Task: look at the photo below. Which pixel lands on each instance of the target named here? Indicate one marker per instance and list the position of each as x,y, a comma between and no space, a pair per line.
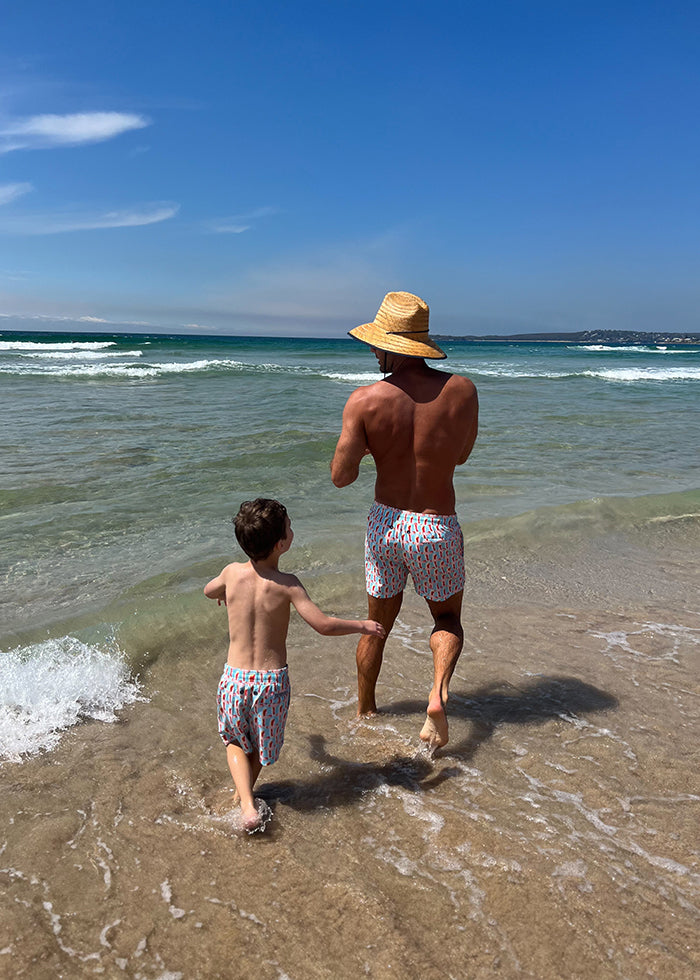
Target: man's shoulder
368,391
367,395
460,385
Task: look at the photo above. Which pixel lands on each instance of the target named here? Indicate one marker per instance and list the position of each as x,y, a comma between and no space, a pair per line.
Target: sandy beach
555,835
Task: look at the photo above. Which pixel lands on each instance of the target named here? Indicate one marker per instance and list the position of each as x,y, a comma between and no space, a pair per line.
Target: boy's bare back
258,603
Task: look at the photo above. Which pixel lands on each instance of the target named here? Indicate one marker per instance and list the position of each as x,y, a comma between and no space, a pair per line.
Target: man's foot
434,731
370,713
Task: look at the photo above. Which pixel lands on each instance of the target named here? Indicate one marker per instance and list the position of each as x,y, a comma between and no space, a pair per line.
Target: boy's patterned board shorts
429,546
252,708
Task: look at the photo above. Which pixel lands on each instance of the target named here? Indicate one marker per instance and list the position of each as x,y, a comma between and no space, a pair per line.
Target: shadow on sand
536,702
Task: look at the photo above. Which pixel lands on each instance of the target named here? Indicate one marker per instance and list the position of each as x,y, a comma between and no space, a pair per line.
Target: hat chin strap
382,362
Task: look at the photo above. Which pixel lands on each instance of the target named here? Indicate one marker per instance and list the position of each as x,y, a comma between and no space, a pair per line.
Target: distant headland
619,338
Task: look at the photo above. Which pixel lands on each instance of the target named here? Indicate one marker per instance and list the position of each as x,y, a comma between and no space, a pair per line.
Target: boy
253,695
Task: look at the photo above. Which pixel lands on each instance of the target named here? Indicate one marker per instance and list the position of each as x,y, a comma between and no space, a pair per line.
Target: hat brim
397,343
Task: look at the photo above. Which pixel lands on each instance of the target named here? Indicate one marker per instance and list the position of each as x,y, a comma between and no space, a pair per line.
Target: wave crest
48,687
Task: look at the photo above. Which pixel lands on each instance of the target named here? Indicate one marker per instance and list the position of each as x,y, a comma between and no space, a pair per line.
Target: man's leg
370,650
446,642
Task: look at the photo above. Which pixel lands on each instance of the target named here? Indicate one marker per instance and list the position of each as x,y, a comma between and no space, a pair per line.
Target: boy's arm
329,625
216,589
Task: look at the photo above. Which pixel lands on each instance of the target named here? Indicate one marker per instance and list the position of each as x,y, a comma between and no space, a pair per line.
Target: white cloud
51,224
239,223
52,318
10,192
229,229
72,129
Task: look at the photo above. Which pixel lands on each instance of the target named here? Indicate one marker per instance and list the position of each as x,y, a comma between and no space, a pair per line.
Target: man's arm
472,428
352,445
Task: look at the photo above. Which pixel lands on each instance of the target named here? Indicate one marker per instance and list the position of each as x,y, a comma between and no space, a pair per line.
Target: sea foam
30,345
77,368
48,687
79,355
625,375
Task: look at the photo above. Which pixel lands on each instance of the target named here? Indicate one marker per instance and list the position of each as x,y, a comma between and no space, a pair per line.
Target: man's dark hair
259,525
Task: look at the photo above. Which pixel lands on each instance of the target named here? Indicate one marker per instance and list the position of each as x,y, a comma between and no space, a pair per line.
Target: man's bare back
418,424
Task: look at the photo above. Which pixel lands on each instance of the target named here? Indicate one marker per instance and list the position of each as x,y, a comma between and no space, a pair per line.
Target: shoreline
562,787
577,552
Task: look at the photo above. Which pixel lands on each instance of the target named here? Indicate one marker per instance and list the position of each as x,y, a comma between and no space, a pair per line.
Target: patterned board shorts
429,546
252,707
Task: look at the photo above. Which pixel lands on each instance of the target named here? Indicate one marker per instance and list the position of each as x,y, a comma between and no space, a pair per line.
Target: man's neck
400,365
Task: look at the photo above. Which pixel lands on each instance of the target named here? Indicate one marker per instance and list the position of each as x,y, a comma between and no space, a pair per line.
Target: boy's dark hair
259,525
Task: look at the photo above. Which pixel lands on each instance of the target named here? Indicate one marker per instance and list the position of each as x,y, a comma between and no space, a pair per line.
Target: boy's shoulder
235,569
286,580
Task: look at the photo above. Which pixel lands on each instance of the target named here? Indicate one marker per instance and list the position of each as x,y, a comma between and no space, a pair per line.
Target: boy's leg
245,769
370,651
255,768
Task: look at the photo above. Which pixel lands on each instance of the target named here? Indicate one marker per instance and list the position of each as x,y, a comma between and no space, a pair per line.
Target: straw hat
401,327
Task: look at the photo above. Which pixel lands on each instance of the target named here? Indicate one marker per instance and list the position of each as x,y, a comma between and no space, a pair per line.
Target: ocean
554,836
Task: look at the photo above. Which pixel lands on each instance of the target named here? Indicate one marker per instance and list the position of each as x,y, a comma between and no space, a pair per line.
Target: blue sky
241,167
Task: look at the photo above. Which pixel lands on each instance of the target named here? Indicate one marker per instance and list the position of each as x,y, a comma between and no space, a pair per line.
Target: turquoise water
124,457
569,786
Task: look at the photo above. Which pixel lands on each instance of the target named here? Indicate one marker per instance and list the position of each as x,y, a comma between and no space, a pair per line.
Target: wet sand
555,836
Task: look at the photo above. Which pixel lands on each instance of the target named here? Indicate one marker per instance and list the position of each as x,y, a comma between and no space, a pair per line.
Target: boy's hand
372,628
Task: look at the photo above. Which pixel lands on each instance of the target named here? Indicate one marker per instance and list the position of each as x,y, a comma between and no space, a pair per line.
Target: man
418,424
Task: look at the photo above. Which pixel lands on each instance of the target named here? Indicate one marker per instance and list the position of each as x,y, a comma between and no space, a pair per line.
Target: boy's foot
434,731
251,819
